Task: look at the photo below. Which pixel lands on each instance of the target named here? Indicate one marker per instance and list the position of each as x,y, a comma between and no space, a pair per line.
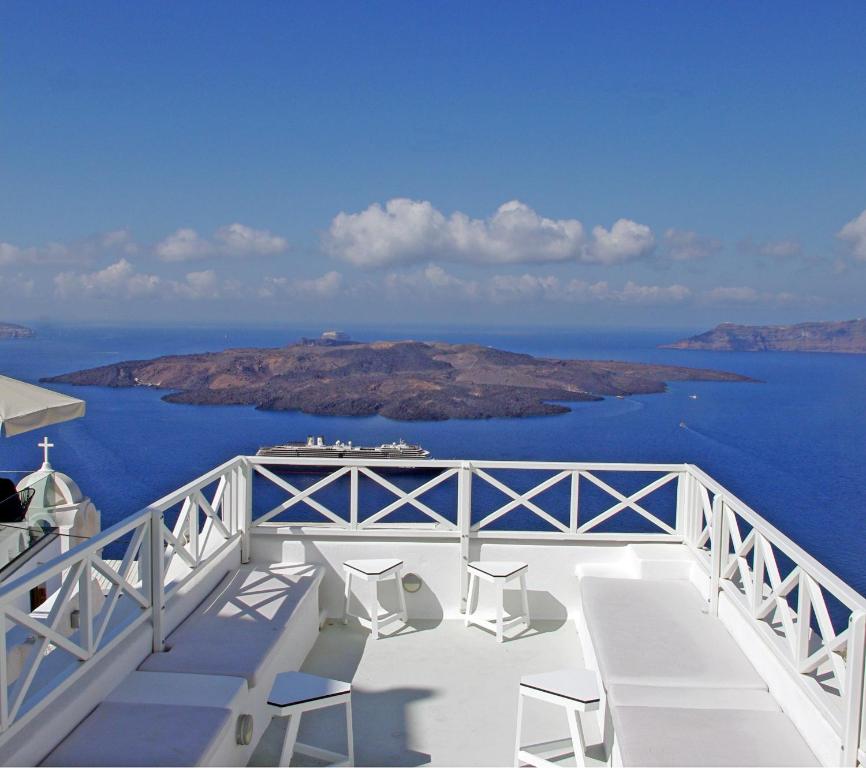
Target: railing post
854,684
464,523
156,570
85,608
245,508
683,516
574,502
4,675
353,498
719,546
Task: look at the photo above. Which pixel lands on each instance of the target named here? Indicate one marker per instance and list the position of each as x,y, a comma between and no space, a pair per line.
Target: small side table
375,571
294,693
576,691
498,573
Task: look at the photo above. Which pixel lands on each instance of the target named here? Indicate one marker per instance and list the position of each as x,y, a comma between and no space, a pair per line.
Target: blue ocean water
791,446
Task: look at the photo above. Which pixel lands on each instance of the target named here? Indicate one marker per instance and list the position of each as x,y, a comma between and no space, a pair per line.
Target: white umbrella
24,407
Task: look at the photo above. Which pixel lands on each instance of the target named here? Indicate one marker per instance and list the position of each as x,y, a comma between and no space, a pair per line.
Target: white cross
45,445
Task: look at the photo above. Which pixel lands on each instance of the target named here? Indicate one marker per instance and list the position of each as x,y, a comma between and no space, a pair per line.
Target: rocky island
406,380
13,331
843,336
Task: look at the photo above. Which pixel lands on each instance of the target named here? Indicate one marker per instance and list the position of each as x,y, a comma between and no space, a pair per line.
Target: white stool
294,693
575,690
499,574
375,571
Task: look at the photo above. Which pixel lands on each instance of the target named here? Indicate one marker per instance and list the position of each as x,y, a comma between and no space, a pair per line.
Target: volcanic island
402,380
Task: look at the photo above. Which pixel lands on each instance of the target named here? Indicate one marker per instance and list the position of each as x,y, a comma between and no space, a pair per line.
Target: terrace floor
434,693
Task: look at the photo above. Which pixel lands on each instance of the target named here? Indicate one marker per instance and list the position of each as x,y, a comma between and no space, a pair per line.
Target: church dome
53,489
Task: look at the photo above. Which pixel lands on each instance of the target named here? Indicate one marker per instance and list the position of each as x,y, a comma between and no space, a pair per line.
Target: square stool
576,691
375,571
498,573
294,693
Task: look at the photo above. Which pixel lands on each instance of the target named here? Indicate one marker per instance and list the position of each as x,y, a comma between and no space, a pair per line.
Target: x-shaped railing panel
520,499
298,496
628,502
407,497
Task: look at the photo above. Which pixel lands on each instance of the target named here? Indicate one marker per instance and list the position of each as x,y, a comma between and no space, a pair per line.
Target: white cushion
239,625
659,633
121,733
674,736
691,698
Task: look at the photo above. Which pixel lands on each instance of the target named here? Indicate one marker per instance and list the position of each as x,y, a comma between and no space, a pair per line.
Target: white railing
782,591
813,621
458,509
43,652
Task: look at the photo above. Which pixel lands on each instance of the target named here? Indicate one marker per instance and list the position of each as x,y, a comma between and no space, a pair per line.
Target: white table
375,571
498,573
294,693
575,691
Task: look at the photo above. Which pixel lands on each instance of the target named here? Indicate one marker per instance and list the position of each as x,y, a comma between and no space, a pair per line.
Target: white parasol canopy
24,407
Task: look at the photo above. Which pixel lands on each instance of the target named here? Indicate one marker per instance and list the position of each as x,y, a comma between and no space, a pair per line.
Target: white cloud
118,280
327,286
84,251
186,244
627,240
430,282
240,240
409,231
197,285
17,286
433,282
121,281
854,235
741,294
781,249
687,245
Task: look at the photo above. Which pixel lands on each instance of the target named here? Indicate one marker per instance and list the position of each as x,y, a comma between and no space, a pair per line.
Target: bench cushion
674,736
120,733
238,627
691,698
659,633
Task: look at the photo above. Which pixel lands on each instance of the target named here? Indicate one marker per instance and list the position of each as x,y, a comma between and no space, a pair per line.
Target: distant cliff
844,336
404,380
12,331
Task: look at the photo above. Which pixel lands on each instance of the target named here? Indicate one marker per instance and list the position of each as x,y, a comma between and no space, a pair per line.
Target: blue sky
563,163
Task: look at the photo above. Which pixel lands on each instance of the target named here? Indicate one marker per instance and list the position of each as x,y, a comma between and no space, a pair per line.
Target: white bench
679,689
242,628
183,706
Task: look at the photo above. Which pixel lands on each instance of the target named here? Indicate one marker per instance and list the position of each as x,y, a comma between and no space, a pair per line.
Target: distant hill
842,336
12,331
406,380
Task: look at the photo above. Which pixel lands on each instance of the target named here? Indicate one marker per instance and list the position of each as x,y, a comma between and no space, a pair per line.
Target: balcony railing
814,623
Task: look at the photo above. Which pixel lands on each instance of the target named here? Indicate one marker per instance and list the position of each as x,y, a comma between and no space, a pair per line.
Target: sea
790,445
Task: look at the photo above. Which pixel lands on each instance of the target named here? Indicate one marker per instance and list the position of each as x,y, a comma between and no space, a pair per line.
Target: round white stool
498,573
375,571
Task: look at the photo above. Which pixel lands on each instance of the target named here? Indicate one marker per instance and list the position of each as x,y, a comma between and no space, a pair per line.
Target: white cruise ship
512,620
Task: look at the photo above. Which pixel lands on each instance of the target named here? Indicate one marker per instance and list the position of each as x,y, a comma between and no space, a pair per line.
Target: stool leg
519,730
577,741
374,610
525,599
290,738
350,739
348,596
401,596
500,608
472,585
